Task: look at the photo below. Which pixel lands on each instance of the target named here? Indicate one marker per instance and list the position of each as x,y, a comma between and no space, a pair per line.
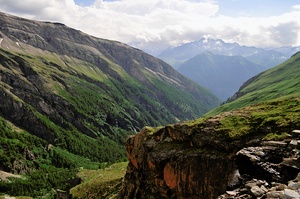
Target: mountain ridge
268,57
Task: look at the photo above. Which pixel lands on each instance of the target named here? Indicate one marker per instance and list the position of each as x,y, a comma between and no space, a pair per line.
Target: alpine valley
73,106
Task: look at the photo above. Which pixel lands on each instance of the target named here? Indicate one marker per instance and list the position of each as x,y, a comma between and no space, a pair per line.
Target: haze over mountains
266,57
222,67
223,75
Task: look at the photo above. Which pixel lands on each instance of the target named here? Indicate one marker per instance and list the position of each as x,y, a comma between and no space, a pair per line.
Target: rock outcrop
175,162
199,161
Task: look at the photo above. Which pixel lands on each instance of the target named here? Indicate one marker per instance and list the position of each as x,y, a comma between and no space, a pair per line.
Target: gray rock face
276,163
290,194
275,194
294,185
254,189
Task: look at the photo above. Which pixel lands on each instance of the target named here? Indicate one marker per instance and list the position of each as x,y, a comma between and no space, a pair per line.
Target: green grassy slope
59,107
103,183
74,117
42,165
282,81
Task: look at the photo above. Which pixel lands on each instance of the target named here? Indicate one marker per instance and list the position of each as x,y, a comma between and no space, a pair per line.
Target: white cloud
296,7
159,23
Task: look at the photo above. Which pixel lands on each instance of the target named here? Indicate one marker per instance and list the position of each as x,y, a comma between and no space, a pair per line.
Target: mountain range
268,57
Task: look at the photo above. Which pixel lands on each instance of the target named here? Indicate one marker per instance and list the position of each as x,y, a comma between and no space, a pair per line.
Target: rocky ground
255,188
5,175
269,171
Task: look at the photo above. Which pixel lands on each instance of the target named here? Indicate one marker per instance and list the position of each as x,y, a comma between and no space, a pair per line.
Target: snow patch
218,43
18,44
1,41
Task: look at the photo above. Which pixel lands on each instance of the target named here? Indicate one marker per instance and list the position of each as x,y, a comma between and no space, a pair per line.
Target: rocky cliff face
181,161
199,159
169,164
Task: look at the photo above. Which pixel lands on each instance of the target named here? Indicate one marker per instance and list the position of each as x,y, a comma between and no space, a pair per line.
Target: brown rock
231,193
275,194
281,187
264,189
170,176
249,185
174,169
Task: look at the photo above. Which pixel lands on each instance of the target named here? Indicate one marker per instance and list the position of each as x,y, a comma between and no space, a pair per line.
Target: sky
158,24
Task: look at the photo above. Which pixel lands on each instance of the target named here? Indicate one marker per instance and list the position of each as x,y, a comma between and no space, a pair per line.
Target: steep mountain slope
265,57
73,96
279,82
223,75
